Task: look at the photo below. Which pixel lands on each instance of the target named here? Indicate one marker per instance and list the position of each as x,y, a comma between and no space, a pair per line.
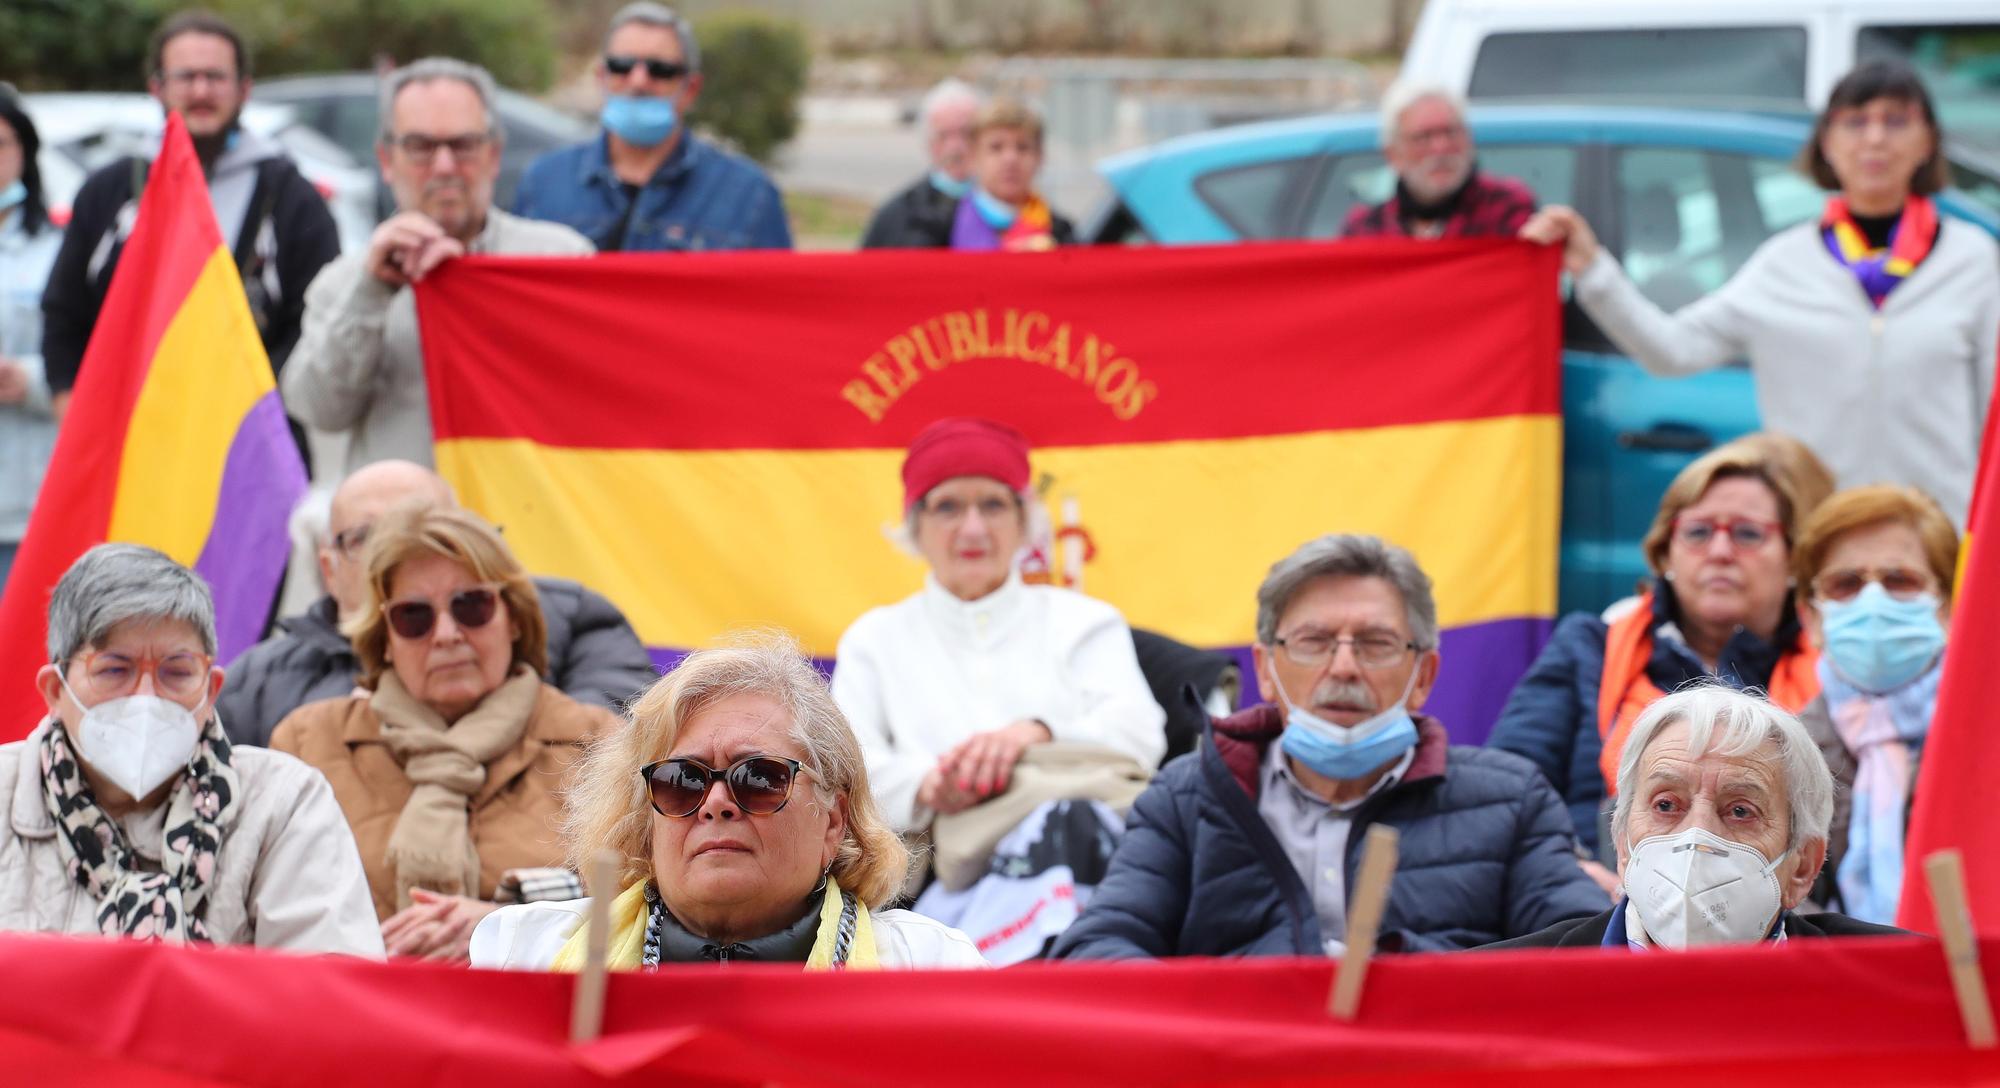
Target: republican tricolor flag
175,437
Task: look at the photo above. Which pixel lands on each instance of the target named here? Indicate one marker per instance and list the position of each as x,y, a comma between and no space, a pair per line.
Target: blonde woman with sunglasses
450,758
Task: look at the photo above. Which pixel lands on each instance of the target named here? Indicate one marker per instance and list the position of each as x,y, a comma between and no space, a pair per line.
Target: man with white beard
1440,192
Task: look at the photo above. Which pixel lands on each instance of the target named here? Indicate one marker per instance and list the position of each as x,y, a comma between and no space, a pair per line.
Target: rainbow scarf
1880,270
984,223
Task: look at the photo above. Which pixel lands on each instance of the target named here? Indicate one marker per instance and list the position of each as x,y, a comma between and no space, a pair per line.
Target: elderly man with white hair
917,216
1721,825
1440,192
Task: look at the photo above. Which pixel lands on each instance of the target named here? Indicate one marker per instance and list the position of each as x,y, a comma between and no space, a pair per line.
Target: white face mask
1698,888
137,741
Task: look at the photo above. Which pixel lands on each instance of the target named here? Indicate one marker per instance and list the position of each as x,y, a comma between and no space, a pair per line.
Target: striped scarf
1880,270
1886,734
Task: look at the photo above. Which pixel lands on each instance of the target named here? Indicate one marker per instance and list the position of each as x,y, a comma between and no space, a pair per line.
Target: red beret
964,447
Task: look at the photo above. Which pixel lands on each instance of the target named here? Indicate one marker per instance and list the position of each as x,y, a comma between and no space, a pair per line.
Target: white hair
1402,94
1733,723
950,92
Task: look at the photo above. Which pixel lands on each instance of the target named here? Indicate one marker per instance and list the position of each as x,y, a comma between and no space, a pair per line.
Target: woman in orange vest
1720,606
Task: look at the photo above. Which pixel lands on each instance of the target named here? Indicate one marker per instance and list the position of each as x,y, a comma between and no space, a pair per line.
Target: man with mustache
1250,844
359,366
1440,192
275,223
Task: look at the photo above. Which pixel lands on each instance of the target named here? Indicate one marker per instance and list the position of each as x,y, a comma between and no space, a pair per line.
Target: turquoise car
1682,197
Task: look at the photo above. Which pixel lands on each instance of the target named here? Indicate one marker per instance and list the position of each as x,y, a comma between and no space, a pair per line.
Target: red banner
1857,1011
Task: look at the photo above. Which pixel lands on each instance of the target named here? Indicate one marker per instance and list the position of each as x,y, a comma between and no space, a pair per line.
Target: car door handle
1667,438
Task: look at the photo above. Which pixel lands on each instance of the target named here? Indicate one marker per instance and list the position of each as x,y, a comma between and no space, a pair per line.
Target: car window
1254,200
1978,183
1960,64
350,121
1784,196
1670,220
1548,170
1734,62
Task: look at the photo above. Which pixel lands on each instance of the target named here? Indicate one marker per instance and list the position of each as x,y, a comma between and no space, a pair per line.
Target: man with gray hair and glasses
921,214
1440,190
1249,845
647,182
1720,820
359,365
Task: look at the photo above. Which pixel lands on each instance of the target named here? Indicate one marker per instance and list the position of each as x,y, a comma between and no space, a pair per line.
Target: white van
1734,52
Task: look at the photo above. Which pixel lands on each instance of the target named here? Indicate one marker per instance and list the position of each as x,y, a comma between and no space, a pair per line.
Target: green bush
753,73
44,44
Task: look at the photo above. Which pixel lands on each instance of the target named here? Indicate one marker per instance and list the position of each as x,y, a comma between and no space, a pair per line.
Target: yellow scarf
627,945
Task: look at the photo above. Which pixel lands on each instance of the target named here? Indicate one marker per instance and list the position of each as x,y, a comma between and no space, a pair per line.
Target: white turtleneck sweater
917,677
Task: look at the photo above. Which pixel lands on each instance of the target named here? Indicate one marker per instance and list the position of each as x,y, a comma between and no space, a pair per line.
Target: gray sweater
359,365
1897,395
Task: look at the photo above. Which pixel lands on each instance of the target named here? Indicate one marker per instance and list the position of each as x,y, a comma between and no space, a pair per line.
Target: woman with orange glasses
1875,567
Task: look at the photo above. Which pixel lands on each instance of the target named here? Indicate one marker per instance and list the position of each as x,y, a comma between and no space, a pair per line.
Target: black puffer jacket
912,219
594,657
1486,854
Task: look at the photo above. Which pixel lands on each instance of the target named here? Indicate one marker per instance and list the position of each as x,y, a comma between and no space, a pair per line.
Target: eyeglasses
414,617
107,675
953,511
1745,533
661,70
1447,134
188,77
348,542
1901,583
760,785
424,148
1857,122
1373,651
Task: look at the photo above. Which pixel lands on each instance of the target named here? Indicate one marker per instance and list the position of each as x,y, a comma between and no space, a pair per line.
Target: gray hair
949,92
114,583
648,13
1349,555
1401,95
1734,723
432,68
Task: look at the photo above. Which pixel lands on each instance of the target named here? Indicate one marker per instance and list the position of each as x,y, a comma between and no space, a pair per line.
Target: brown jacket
516,818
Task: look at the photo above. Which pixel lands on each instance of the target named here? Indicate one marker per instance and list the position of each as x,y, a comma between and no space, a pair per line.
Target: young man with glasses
359,366
275,223
594,655
1250,845
648,183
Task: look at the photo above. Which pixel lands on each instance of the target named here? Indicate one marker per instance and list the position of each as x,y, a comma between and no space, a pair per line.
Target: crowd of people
424,760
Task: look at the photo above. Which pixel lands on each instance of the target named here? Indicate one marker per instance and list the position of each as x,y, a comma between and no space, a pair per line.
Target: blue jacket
1485,855
702,197
1551,718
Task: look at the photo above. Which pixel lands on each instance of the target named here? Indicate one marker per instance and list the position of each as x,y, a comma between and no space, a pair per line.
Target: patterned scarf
1886,734
983,222
171,905
1880,270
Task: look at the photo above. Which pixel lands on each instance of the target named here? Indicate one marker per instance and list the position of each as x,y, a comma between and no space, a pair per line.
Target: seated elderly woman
1875,568
450,761
130,814
1720,605
763,843
1720,826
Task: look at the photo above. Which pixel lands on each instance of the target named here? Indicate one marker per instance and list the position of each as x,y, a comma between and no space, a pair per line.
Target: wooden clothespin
1945,870
1364,919
586,1013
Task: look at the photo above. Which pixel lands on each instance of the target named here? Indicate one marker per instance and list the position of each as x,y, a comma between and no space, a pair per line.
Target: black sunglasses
760,785
662,70
413,617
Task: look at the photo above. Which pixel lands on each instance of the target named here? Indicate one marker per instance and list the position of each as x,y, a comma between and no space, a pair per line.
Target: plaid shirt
1491,207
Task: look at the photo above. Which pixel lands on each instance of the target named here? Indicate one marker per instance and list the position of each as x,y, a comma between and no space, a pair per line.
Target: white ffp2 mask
1697,888
136,741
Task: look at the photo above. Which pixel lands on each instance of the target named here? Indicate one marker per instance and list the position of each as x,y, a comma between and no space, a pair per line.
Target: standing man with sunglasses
1250,845
594,655
359,367
275,223
648,183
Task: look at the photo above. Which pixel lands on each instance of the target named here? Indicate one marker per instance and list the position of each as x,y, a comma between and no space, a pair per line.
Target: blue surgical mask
1347,752
640,121
998,213
948,185
1879,643
13,195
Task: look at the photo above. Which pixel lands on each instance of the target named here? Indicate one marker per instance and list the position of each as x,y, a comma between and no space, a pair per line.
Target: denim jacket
27,430
702,197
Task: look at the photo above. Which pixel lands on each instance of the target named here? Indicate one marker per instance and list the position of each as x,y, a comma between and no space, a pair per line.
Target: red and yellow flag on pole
175,437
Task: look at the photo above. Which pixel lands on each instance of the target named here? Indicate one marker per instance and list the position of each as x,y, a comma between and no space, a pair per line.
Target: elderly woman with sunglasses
451,758
1720,605
762,843
1875,567
128,811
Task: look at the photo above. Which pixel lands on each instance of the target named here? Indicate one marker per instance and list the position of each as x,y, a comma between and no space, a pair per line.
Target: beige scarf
431,846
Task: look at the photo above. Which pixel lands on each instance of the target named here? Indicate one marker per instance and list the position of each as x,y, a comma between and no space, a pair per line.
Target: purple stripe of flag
248,545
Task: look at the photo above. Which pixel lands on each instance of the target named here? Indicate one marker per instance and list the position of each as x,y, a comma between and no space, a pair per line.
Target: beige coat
516,819
287,874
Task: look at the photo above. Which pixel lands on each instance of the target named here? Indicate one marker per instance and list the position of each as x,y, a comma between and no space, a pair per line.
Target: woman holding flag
1871,331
